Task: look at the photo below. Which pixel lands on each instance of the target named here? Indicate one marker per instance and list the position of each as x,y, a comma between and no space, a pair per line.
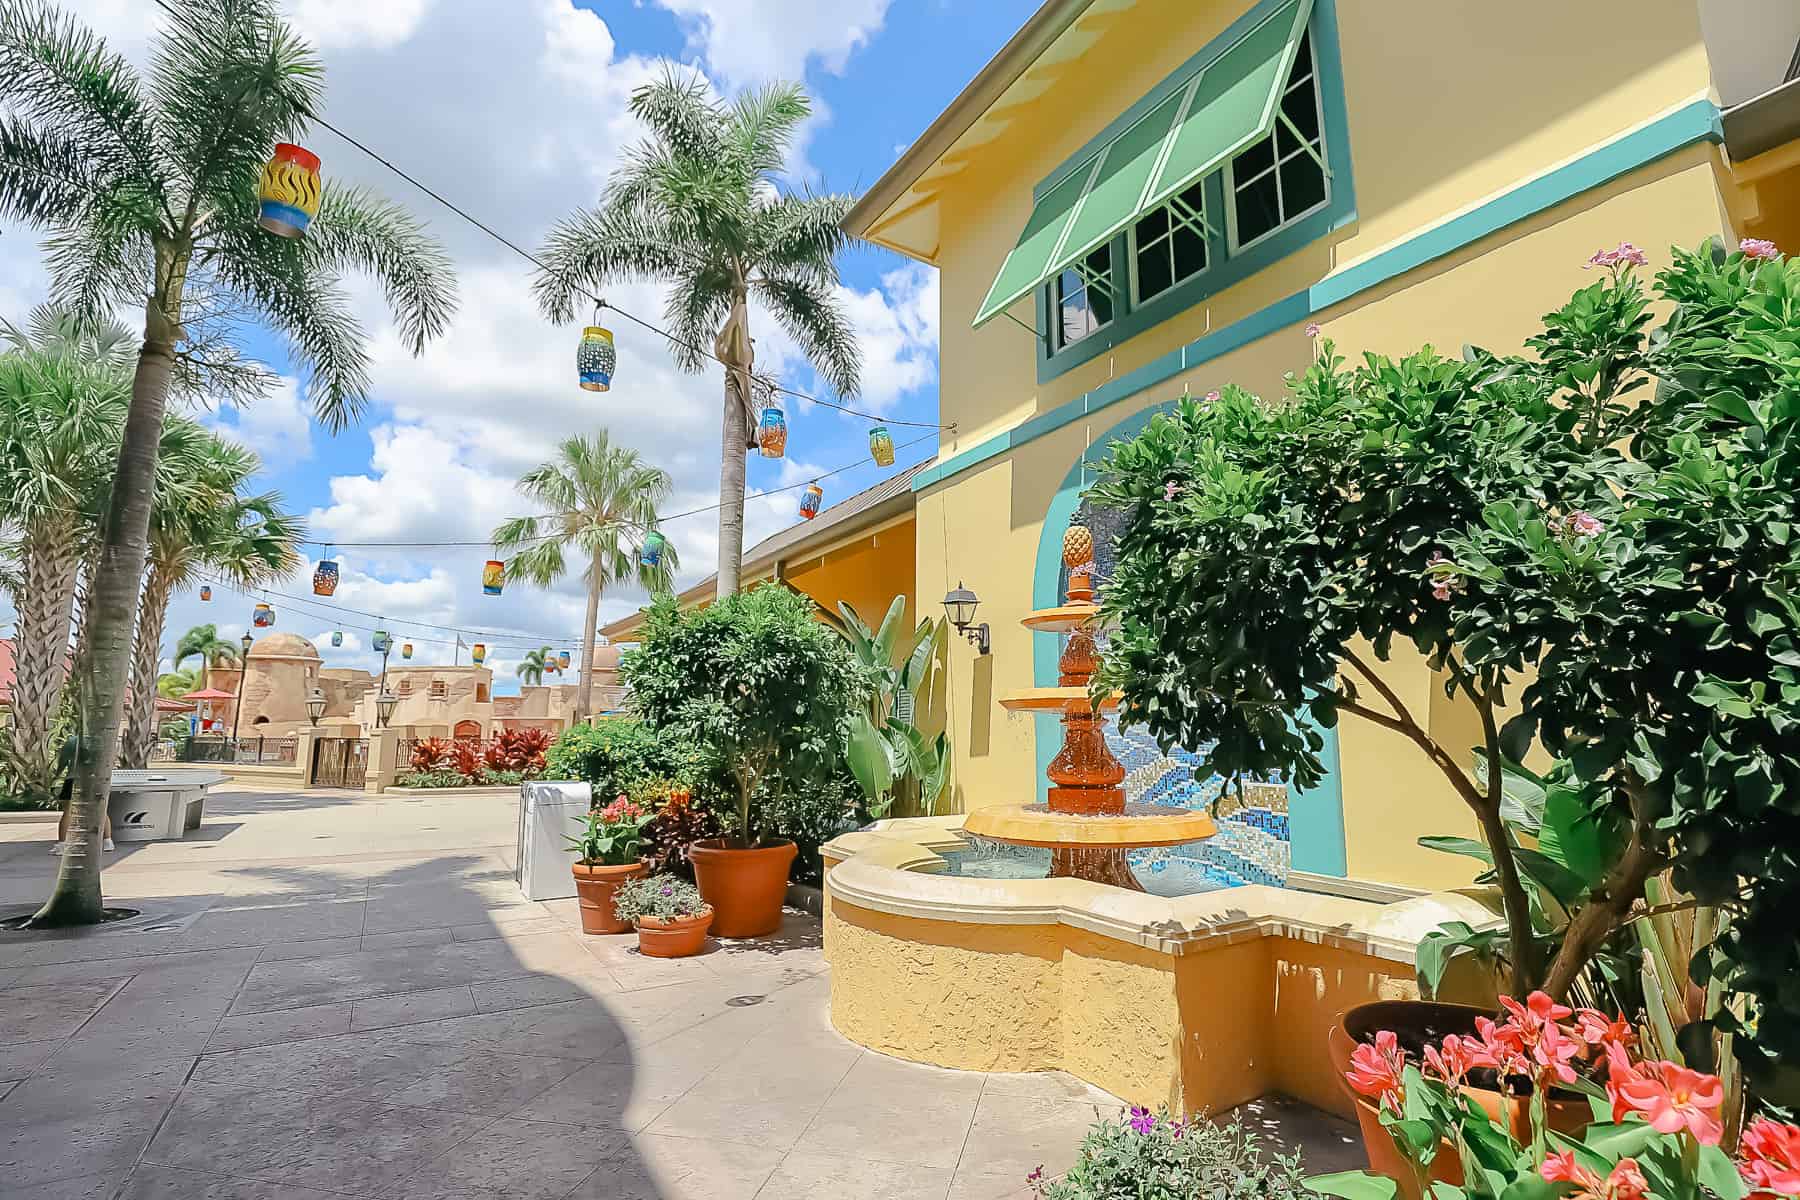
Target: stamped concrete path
335,995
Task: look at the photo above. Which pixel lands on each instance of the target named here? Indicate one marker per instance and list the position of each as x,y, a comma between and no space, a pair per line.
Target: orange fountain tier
1137,825
1054,699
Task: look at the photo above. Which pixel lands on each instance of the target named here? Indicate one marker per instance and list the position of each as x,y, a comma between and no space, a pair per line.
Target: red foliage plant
467,761
428,753
518,750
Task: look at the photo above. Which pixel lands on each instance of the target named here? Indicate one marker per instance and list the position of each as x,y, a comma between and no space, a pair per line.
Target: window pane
1152,226
1302,108
1286,144
1153,271
1190,253
1258,209
1253,161
1302,185
1099,265
1195,196
1075,321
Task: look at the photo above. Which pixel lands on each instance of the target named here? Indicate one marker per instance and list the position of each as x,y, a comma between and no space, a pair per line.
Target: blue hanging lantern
881,446
563,660
478,652
809,502
381,642
771,431
596,358
263,617
325,577
651,553
337,637
205,593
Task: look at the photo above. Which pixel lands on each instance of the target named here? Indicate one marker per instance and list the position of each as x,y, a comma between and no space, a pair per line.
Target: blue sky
519,118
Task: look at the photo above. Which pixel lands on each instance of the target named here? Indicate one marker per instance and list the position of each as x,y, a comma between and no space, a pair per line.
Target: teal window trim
1223,269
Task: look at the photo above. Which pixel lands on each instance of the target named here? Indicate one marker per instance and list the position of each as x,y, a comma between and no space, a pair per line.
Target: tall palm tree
147,188
204,640
202,520
61,413
532,667
599,502
697,205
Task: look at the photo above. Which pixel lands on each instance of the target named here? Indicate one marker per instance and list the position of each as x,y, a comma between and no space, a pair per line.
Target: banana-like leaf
860,634
890,629
871,762
931,782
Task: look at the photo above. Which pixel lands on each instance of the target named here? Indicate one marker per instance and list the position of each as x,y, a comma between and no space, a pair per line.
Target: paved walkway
330,995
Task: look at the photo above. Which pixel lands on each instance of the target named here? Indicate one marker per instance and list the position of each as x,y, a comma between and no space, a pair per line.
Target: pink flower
1583,524
1626,1182
1503,1046
1562,1168
1312,329
1376,1070
1598,1029
1169,489
1142,1120
1670,1097
1532,1016
1440,589
1554,1050
1625,255
1459,1056
1212,397
1758,248
1771,1154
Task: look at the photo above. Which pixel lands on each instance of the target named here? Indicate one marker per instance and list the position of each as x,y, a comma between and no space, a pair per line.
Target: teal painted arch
1315,815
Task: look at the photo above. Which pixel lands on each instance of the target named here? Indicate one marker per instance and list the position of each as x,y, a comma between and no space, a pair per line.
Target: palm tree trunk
733,346
112,617
140,718
584,696
46,604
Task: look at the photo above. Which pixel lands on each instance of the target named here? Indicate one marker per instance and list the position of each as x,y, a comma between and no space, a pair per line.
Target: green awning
1232,102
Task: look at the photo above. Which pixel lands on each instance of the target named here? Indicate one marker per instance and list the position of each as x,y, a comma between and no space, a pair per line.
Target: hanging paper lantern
263,617
563,659
478,652
596,358
325,578
405,649
493,577
771,431
381,641
289,191
337,637
809,502
651,553
881,445
205,593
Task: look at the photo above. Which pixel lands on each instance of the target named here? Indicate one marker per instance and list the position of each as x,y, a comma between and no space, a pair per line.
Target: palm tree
147,189
535,663
204,640
173,685
599,500
697,205
202,520
61,412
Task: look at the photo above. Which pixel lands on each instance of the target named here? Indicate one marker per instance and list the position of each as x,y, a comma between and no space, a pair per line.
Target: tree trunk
46,603
140,719
733,346
584,695
76,899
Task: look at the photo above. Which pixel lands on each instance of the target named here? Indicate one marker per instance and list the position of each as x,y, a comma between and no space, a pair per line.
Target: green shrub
812,815
617,754
434,779
1146,1156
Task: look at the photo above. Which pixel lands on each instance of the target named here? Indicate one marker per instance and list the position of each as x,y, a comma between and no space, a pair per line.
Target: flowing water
1164,871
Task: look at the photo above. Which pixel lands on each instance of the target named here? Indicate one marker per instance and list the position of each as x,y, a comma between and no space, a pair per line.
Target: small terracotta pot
677,937
745,886
594,888
1567,1113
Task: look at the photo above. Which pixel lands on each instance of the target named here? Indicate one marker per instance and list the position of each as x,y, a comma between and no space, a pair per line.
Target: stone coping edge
894,867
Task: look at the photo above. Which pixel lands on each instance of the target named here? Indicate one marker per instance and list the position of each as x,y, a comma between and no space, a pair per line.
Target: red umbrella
210,694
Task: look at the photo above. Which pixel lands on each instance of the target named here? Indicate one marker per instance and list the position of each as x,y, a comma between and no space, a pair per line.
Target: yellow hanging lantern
478,652
405,649
493,577
881,445
289,191
595,358
563,659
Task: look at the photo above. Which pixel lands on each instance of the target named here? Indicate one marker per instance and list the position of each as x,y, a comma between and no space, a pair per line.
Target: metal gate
340,762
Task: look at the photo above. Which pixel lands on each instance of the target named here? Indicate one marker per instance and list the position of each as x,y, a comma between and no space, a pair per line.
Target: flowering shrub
611,835
1658,1124
679,823
1151,1156
659,897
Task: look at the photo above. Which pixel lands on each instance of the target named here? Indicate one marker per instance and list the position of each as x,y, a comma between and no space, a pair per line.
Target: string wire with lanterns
319,608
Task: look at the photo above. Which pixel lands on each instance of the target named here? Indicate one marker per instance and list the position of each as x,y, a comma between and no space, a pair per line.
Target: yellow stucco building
1142,197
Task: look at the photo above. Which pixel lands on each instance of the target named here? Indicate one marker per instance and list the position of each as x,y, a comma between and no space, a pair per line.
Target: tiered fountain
1086,824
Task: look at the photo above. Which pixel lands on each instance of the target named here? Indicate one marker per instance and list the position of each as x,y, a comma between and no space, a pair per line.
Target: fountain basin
1139,825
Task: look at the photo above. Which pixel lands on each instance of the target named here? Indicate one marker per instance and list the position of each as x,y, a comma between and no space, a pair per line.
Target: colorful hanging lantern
405,649
337,637
563,659
263,617
596,358
493,577
771,431
381,642
478,652
651,553
809,502
881,445
205,593
289,191
325,577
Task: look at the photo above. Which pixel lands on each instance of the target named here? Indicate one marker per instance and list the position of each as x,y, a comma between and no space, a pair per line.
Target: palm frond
358,230
799,236
541,564
597,247
48,178
763,123
515,532
812,316
679,110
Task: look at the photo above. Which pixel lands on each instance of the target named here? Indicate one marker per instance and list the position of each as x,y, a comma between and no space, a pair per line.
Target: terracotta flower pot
594,888
744,886
677,937
1428,1021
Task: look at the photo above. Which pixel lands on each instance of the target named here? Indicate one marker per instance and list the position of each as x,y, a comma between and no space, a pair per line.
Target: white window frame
1204,230
1319,155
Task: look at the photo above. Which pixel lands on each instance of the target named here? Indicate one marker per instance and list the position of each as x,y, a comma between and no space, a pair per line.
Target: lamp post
384,707
315,706
243,671
959,606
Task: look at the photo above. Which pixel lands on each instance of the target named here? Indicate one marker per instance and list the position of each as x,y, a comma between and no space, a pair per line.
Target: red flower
1670,1097
1771,1153
1553,1051
1626,1182
1375,1070
1459,1056
1562,1168
1598,1029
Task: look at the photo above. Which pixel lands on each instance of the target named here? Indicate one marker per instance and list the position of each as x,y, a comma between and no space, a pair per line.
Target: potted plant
1156,1156
769,691
608,845
670,914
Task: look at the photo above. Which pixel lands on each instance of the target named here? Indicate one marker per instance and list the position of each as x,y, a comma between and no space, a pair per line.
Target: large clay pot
594,888
744,886
677,937
1419,1021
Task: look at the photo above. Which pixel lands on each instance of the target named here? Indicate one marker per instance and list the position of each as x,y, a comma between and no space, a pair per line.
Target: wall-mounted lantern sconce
384,707
959,606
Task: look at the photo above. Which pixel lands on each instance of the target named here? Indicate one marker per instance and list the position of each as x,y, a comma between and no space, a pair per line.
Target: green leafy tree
758,681
173,685
204,642
889,757
599,500
697,205
532,667
146,187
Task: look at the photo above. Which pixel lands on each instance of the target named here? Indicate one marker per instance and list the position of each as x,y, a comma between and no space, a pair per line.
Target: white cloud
278,425
746,41
331,24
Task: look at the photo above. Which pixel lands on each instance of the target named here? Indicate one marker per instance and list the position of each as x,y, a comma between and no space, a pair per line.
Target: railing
249,751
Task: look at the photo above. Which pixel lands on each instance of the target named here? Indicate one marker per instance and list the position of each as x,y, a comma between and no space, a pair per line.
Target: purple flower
1625,255
668,891
1037,1176
1169,489
1312,329
1758,248
1583,524
1142,1120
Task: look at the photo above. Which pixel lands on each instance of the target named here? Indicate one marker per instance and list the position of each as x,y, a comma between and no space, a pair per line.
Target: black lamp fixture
384,707
959,606
315,706
243,673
